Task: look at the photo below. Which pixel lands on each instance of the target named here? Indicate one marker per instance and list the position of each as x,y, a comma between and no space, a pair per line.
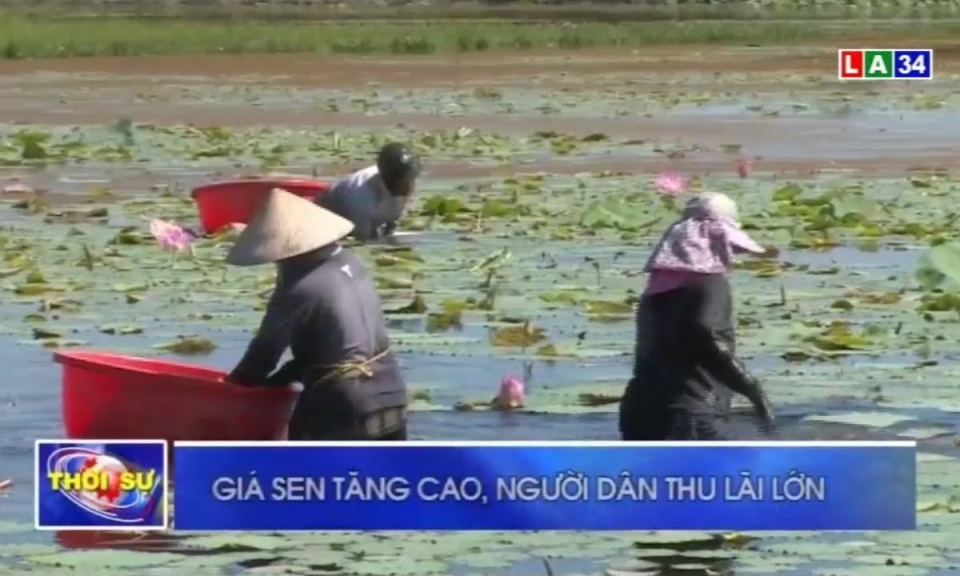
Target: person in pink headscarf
685,368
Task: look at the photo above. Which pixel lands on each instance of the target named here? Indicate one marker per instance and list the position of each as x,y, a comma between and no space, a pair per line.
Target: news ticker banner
884,64
100,485
480,486
545,486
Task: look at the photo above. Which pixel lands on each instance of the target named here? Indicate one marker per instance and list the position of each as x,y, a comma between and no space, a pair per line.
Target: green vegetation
23,36
572,10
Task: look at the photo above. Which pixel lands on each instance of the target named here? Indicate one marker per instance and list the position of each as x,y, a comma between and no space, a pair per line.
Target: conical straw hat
286,225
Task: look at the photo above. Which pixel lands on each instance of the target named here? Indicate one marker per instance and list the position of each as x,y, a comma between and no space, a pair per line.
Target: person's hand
767,424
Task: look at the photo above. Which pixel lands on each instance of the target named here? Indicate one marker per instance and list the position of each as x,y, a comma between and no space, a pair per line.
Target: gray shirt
363,199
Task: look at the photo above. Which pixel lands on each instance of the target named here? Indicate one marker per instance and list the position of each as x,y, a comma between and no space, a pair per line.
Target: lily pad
605,307
522,336
924,433
37,288
239,542
122,329
417,306
866,419
189,346
90,560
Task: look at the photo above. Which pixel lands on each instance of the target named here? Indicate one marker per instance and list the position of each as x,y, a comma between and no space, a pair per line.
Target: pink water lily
171,237
511,393
744,165
15,186
670,183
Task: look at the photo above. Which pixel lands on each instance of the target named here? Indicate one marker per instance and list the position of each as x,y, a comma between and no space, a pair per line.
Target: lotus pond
530,243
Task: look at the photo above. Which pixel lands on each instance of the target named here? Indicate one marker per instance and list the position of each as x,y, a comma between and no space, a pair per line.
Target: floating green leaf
189,346
125,288
417,306
493,260
448,318
4,273
44,334
602,307
35,289
385,283
787,193
592,399
521,336
572,296
440,206
128,238
940,262
121,329
839,336
36,277
617,214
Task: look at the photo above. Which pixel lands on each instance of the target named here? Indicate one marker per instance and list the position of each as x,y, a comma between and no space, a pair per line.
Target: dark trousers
664,425
384,426
397,436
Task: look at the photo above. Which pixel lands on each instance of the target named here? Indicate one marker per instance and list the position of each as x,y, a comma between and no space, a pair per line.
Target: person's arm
268,346
361,209
400,205
711,304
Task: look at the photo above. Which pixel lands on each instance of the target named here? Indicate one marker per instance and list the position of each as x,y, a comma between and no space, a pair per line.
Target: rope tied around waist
342,369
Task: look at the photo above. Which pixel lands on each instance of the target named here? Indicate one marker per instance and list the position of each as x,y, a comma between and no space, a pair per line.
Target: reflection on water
140,541
690,558
705,556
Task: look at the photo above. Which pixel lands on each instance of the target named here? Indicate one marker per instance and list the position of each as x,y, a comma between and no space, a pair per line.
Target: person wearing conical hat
326,309
375,197
685,368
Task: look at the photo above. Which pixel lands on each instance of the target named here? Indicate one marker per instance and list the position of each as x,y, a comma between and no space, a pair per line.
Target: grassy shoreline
580,11
31,37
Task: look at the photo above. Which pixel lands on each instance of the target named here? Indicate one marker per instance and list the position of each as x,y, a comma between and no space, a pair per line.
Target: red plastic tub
235,201
109,396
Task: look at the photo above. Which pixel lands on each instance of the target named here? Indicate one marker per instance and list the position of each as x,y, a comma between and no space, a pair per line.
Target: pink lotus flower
670,183
171,237
15,186
511,393
744,165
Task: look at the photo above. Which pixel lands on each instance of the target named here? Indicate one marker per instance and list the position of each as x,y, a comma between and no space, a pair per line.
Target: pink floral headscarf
704,241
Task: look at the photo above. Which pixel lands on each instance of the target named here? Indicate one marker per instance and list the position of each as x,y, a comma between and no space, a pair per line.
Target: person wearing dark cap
374,198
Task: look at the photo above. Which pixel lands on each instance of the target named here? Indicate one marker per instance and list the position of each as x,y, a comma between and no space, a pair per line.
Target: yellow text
93,480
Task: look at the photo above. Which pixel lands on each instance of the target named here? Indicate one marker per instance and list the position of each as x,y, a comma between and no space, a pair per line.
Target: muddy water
786,112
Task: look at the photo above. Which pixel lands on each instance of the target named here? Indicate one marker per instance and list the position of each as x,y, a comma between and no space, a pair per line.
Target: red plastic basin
115,397
236,201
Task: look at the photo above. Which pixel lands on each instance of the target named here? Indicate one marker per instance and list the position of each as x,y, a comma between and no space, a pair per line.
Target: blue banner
100,484
545,486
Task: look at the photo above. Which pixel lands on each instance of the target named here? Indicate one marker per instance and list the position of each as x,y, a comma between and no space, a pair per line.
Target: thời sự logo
101,485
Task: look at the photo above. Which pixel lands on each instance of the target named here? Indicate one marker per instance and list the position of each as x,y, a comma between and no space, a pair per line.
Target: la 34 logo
885,64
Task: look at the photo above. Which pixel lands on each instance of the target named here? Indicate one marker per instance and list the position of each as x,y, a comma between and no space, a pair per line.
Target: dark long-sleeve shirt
685,352
325,308
363,199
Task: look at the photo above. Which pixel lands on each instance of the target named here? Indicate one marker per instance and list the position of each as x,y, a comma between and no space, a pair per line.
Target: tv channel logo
100,485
